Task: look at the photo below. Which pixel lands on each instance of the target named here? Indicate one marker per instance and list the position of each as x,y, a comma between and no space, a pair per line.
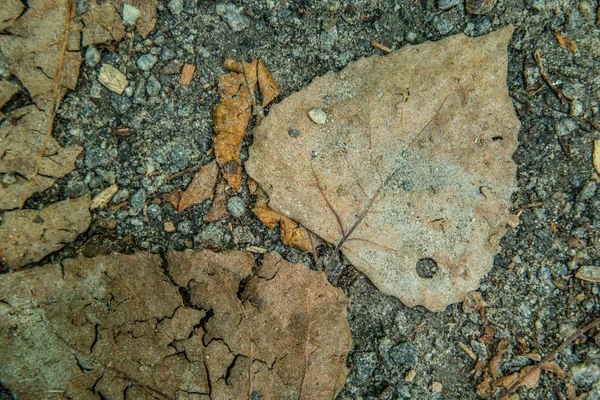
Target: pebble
448,4
236,206
167,54
404,354
442,25
153,86
588,191
576,108
186,227
92,56
146,61
169,226
9,179
317,115
121,196
211,235
233,17
243,235
479,7
565,126
365,365
293,132
75,189
120,103
96,157
138,200
180,157
586,373
328,39
154,211
176,6
130,14
139,96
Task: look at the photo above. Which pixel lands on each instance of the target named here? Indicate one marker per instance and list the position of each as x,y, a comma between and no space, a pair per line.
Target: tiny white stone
130,14
317,115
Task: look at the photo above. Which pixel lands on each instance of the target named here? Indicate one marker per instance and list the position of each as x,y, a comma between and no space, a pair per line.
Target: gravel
146,61
236,206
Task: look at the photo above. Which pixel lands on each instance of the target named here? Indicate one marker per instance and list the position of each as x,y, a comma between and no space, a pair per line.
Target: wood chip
381,47
104,197
596,155
113,79
256,249
187,73
467,349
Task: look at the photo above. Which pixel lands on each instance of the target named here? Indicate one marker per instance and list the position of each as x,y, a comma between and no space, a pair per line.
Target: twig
537,55
550,356
185,171
592,123
380,46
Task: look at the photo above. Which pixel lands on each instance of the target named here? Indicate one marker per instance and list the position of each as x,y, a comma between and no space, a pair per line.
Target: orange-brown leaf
200,189
268,87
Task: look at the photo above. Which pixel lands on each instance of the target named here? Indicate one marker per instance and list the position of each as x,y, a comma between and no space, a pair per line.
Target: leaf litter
411,176
201,188
99,326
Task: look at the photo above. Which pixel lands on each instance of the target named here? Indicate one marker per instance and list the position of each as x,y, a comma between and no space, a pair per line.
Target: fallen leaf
232,115
7,91
23,141
102,22
218,211
100,326
566,43
187,74
405,170
10,11
200,189
292,233
30,235
491,371
531,382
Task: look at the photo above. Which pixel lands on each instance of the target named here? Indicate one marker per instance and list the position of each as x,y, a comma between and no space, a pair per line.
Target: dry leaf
487,386
30,235
218,211
405,171
200,189
566,43
7,91
590,273
187,74
147,20
100,326
292,233
531,382
102,22
10,11
232,115
22,143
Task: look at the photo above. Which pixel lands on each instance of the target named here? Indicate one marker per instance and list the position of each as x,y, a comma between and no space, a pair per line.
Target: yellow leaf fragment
113,79
596,155
104,197
566,42
268,87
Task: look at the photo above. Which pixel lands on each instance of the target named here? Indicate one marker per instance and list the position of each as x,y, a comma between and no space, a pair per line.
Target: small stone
243,235
404,354
154,212
318,116
96,157
9,179
74,189
212,235
186,227
169,226
146,61
436,387
479,7
448,4
576,108
587,191
293,132
236,206
121,196
565,126
442,25
92,56
590,273
167,54
130,14
176,6
586,373
328,39
153,86
138,200
233,17
537,5
120,103
180,157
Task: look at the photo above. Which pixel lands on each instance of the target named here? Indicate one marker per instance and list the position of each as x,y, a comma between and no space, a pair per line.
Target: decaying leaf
491,371
102,22
30,235
292,233
566,42
218,211
200,189
7,91
115,324
232,115
411,176
23,140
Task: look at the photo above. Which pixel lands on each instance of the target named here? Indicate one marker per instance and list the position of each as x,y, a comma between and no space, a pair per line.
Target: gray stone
92,56
139,96
130,14
576,108
121,196
448,4
180,157
365,365
404,354
146,61
167,54
96,157
243,235
587,191
479,7
138,200
76,189
153,86
586,373
293,132
233,17
236,206
442,25
154,212
176,6
210,235
565,126
328,39
120,103
537,5
186,227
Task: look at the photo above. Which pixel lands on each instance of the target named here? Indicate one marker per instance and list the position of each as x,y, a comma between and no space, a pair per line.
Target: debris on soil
91,323
292,233
200,189
113,79
232,115
30,235
436,199
566,42
596,155
590,273
187,73
218,211
105,196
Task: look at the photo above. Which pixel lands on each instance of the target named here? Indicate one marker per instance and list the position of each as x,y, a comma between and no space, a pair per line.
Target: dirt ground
532,296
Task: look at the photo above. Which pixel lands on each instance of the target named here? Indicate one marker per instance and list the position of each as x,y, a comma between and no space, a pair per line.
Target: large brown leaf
411,174
117,327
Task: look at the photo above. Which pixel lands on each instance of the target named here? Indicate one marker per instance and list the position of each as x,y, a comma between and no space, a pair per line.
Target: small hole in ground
426,268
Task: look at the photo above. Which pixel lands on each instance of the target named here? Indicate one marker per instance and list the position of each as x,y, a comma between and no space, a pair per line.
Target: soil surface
532,296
